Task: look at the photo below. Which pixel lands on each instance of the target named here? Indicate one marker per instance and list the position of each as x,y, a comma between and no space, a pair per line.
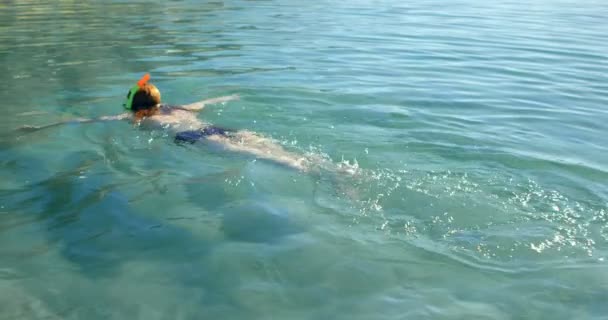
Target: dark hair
147,97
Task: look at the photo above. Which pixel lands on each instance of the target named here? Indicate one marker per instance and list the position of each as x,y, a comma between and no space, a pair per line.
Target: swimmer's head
142,96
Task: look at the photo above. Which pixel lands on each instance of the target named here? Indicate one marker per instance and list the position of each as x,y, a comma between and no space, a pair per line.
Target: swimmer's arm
123,116
117,117
28,128
198,106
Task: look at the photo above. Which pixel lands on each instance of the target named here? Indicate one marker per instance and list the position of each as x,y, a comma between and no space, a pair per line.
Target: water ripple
474,134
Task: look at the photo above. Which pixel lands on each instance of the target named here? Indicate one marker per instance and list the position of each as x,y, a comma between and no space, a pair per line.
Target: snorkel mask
129,102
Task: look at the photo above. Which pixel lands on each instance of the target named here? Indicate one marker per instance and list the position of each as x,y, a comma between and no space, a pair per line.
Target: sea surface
472,138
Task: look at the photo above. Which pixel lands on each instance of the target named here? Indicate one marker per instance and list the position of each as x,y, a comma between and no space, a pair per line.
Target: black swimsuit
192,136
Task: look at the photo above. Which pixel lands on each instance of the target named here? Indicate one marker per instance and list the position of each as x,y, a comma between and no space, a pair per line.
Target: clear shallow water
480,132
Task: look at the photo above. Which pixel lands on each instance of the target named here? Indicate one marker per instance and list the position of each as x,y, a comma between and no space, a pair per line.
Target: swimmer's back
174,119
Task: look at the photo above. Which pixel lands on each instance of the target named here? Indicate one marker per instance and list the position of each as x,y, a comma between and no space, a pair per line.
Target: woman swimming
145,108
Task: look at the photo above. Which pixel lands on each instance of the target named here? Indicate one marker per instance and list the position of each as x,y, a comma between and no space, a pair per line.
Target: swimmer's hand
29,128
198,106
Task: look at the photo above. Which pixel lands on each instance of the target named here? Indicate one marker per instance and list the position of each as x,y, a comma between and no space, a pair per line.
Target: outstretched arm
28,128
198,106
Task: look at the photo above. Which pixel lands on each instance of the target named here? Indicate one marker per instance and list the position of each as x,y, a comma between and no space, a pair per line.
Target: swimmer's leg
262,148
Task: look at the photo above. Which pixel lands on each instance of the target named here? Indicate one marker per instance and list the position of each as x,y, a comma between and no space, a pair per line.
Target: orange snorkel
143,80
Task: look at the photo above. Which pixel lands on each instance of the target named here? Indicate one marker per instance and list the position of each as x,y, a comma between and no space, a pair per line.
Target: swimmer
144,107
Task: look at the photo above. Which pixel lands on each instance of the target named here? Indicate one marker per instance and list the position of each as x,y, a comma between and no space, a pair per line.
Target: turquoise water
478,129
